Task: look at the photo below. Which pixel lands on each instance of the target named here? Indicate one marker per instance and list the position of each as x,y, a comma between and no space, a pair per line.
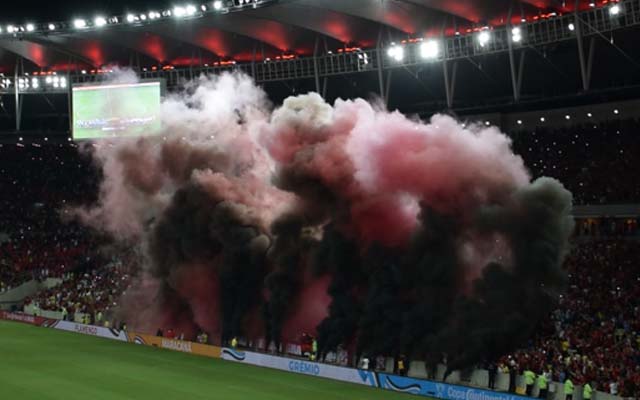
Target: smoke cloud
381,233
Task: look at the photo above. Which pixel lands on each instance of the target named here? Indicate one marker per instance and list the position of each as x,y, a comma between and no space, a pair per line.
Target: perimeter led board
116,110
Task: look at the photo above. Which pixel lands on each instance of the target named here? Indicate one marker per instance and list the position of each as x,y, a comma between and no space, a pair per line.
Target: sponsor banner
26,318
99,331
440,390
176,345
302,367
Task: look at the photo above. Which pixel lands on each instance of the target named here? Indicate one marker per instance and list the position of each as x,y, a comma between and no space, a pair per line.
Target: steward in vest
542,385
568,389
587,391
529,380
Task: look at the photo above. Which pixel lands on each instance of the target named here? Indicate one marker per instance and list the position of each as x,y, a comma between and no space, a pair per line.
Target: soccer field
39,363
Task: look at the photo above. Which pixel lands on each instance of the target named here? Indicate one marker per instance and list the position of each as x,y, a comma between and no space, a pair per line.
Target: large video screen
116,110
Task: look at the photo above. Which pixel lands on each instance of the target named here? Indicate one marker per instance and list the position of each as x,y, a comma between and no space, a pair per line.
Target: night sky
37,11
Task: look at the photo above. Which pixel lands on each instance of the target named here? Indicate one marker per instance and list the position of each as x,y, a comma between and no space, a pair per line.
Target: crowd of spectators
594,335
38,185
596,162
89,292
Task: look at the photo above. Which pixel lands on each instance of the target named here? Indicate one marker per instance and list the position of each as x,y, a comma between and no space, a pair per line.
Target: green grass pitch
39,363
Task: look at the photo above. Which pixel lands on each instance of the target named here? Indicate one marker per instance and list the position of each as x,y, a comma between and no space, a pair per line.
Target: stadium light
31,28
430,49
542,119
483,38
614,10
519,122
396,52
572,27
217,5
516,34
179,12
99,21
11,29
191,9
131,18
616,112
143,17
567,117
589,115
203,7
79,23
52,27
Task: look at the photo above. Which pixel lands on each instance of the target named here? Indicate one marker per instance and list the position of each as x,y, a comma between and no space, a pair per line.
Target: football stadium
320,199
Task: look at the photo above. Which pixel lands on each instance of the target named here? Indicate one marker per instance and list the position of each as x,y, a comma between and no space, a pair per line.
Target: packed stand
597,162
90,292
594,335
41,182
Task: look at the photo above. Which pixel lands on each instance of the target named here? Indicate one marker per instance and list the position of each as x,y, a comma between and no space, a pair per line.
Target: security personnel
205,337
234,343
587,391
65,313
529,380
568,389
543,385
314,349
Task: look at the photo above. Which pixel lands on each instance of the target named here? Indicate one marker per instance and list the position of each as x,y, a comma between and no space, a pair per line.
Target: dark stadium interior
315,275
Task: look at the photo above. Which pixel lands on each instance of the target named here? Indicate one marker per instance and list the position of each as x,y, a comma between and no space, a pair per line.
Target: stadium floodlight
483,38
542,119
217,5
567,117
516,34
572,27
430,49
589,115
191,9
519,122
100,21
616,112
396,52
79,23
203,7
615,10
154,15
11,29
131,18
143,17
179,12
52,27
31,28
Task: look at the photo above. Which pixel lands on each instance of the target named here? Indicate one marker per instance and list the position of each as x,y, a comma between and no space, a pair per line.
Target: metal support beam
387,89
316,73
512,62
450,81
324,87
379,62
18,97
585,70
253,61
520,73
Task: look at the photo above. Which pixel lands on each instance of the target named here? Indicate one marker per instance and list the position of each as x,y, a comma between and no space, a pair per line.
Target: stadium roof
245,30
